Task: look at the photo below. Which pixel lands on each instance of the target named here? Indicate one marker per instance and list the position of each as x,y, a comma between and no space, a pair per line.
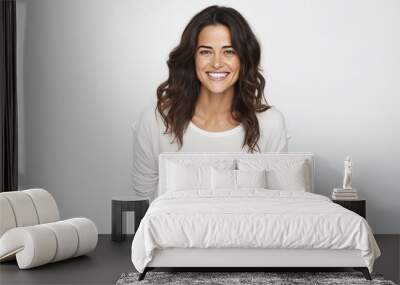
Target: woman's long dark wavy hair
177,96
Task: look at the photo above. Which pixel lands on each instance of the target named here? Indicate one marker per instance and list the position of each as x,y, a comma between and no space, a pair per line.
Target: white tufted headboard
229,160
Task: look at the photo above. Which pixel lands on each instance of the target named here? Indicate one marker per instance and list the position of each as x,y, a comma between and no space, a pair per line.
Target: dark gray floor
110,259
389,262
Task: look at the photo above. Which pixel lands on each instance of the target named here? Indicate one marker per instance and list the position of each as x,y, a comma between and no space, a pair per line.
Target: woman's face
217,63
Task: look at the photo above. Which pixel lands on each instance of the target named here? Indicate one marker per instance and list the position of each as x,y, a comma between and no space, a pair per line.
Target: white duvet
251,218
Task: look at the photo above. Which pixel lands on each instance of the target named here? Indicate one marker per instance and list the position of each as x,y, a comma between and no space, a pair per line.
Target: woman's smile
217,76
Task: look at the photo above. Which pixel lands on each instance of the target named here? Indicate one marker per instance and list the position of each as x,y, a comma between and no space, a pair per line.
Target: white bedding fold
251,218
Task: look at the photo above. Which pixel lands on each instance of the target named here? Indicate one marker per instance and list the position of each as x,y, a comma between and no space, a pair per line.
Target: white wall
88,67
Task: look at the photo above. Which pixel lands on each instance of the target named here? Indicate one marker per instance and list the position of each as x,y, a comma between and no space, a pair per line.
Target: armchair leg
364,271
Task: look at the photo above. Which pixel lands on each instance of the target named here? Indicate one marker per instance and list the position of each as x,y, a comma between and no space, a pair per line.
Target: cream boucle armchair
31,230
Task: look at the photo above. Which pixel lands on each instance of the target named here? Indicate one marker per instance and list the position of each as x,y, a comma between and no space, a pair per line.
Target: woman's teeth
217,75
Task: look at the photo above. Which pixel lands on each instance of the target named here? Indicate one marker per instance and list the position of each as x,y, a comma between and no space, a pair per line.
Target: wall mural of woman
213,99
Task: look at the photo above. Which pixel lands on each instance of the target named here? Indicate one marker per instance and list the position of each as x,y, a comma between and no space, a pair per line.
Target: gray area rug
269,278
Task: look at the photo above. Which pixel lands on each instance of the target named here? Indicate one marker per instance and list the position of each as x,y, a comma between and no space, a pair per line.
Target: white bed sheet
250,218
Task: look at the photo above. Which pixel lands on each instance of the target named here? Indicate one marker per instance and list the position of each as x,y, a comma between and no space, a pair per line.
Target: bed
242,210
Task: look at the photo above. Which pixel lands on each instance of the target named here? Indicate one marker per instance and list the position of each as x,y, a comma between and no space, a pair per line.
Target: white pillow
251,178
223,179
236,179
187,177
288,178
281,174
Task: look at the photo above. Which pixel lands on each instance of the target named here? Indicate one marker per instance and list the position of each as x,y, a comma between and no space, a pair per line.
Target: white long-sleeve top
149,141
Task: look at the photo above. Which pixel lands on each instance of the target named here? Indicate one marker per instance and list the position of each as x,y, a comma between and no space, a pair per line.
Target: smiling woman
214,78
217,64
217,68
213,99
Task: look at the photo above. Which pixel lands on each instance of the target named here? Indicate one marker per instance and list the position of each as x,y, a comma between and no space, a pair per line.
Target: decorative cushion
228,179
251,178
281,174
223,179
188,177
290,178
168,176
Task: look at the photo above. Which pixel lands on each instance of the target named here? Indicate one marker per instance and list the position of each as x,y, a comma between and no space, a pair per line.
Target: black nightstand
122,204
357,206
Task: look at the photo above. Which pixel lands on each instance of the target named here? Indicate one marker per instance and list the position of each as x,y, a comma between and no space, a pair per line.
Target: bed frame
248,259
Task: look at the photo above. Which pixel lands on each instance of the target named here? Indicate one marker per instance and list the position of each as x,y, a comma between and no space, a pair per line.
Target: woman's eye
230,52
205,52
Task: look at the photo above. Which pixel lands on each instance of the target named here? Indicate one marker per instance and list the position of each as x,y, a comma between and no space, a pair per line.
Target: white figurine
347,173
